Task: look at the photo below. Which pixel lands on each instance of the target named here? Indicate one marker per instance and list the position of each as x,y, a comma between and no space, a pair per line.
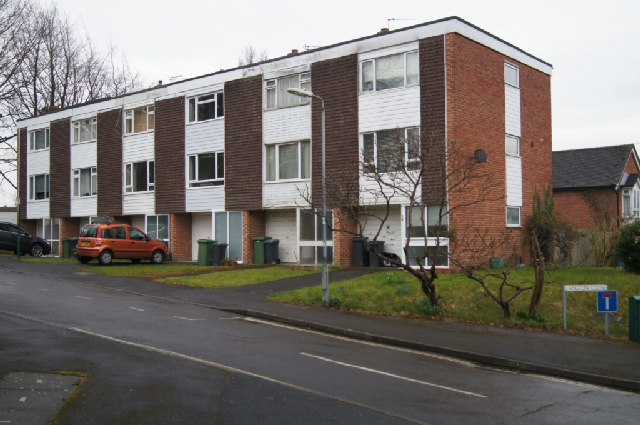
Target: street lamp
18,204
325,269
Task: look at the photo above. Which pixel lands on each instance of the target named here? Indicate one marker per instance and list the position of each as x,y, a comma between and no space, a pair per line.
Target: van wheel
157,257
105,258
84,260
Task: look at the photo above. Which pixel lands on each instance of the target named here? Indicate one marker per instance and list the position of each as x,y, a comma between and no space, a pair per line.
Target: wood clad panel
60,163
169,156
109,146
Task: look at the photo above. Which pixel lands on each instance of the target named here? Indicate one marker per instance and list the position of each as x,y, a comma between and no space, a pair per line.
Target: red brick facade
69,228
180,237
253,224
584,208
22,172
169,156
109,148
59,168
342,244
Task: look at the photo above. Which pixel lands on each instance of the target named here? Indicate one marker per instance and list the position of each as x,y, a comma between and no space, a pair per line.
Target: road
155,361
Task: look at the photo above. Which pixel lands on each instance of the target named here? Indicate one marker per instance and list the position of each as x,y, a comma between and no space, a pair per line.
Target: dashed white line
231,318
10,283
43,290
186,318
84,298
136,309
22,399
391,375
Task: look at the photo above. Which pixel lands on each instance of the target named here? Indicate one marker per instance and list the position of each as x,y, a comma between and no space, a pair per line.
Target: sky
592,45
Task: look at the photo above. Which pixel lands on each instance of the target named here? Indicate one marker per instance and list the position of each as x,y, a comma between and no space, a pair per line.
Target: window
390,72
310,237
391,150
439,254
49,230
277,95
206,107
139,176
228,229
206,169
39,139
513,216
39,187
512,145
157,227
139,119
84,182
511,75
288,161
436,226
85,130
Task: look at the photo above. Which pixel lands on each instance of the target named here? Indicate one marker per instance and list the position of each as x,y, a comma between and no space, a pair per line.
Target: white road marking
84,298
10,283
136,309
186,318
43,290
22,399
357,341
231,318
245,372
391,375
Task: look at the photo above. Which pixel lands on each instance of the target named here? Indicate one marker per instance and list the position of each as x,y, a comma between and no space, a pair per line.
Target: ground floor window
157,227
310,244
227,228
49,230
436,223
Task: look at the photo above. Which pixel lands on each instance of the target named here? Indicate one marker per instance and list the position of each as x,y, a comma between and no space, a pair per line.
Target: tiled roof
595,167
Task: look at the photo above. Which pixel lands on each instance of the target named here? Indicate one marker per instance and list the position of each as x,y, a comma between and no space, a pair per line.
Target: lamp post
19,230
325,268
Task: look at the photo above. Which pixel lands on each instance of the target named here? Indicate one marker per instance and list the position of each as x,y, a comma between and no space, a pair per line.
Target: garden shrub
628,249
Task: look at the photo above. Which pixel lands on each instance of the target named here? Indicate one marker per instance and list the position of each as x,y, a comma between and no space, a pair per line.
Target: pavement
614,364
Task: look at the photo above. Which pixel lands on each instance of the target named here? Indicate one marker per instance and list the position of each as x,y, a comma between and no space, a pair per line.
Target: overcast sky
592,45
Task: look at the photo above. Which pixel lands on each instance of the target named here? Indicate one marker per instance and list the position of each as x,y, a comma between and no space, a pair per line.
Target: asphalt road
156,361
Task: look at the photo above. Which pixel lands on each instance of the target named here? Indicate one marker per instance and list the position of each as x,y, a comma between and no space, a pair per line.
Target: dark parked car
34,245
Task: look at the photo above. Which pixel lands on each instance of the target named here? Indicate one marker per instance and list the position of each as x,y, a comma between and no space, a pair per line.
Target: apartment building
233,155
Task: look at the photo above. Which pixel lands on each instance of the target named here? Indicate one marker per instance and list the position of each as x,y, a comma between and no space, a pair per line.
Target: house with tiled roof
592,186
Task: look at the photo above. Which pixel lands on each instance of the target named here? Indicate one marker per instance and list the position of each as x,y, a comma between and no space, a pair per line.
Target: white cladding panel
391,232
83,155
138,147
372,193
287,124
388,109
512,110
205,198
37,209
281,224
38,163
201,228
138,203
514,181
84,207
204,137
278,195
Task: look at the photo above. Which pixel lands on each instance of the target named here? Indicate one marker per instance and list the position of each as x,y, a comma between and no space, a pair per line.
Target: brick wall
59,168
243,144
169,156
583,208
476,120
69,228
109,148
22,171
631,166
336,81
342,245
180,237
253,224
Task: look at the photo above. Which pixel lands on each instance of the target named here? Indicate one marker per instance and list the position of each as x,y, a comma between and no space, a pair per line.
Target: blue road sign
607,301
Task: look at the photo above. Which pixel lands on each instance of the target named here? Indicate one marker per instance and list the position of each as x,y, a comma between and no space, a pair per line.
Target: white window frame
155,218
52,237
317,242
93,130
196,183
32,139
276,165
508,67
228,232
76,182
509,138
519,223
374,87
271,88
635,202
373,165
128,177
32,185
129,117
418,241
218,99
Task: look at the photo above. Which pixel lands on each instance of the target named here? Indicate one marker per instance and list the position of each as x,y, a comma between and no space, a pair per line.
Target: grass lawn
225,277
153,271
398,293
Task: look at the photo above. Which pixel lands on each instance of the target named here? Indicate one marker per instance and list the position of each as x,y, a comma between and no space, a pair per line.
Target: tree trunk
505,310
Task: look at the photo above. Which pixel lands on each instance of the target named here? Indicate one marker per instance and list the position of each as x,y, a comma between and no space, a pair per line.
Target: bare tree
250,54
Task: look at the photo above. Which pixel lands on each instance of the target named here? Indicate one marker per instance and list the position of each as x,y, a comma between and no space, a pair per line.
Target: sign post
578,288
607,303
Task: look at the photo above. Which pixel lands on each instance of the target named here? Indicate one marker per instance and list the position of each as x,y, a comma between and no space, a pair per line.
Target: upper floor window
391,150
85,130
140,119
631,203
512,145
277,95
206,169
206,107
39,139
390,72
84,182
288,161
511,75
39,187
139,176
